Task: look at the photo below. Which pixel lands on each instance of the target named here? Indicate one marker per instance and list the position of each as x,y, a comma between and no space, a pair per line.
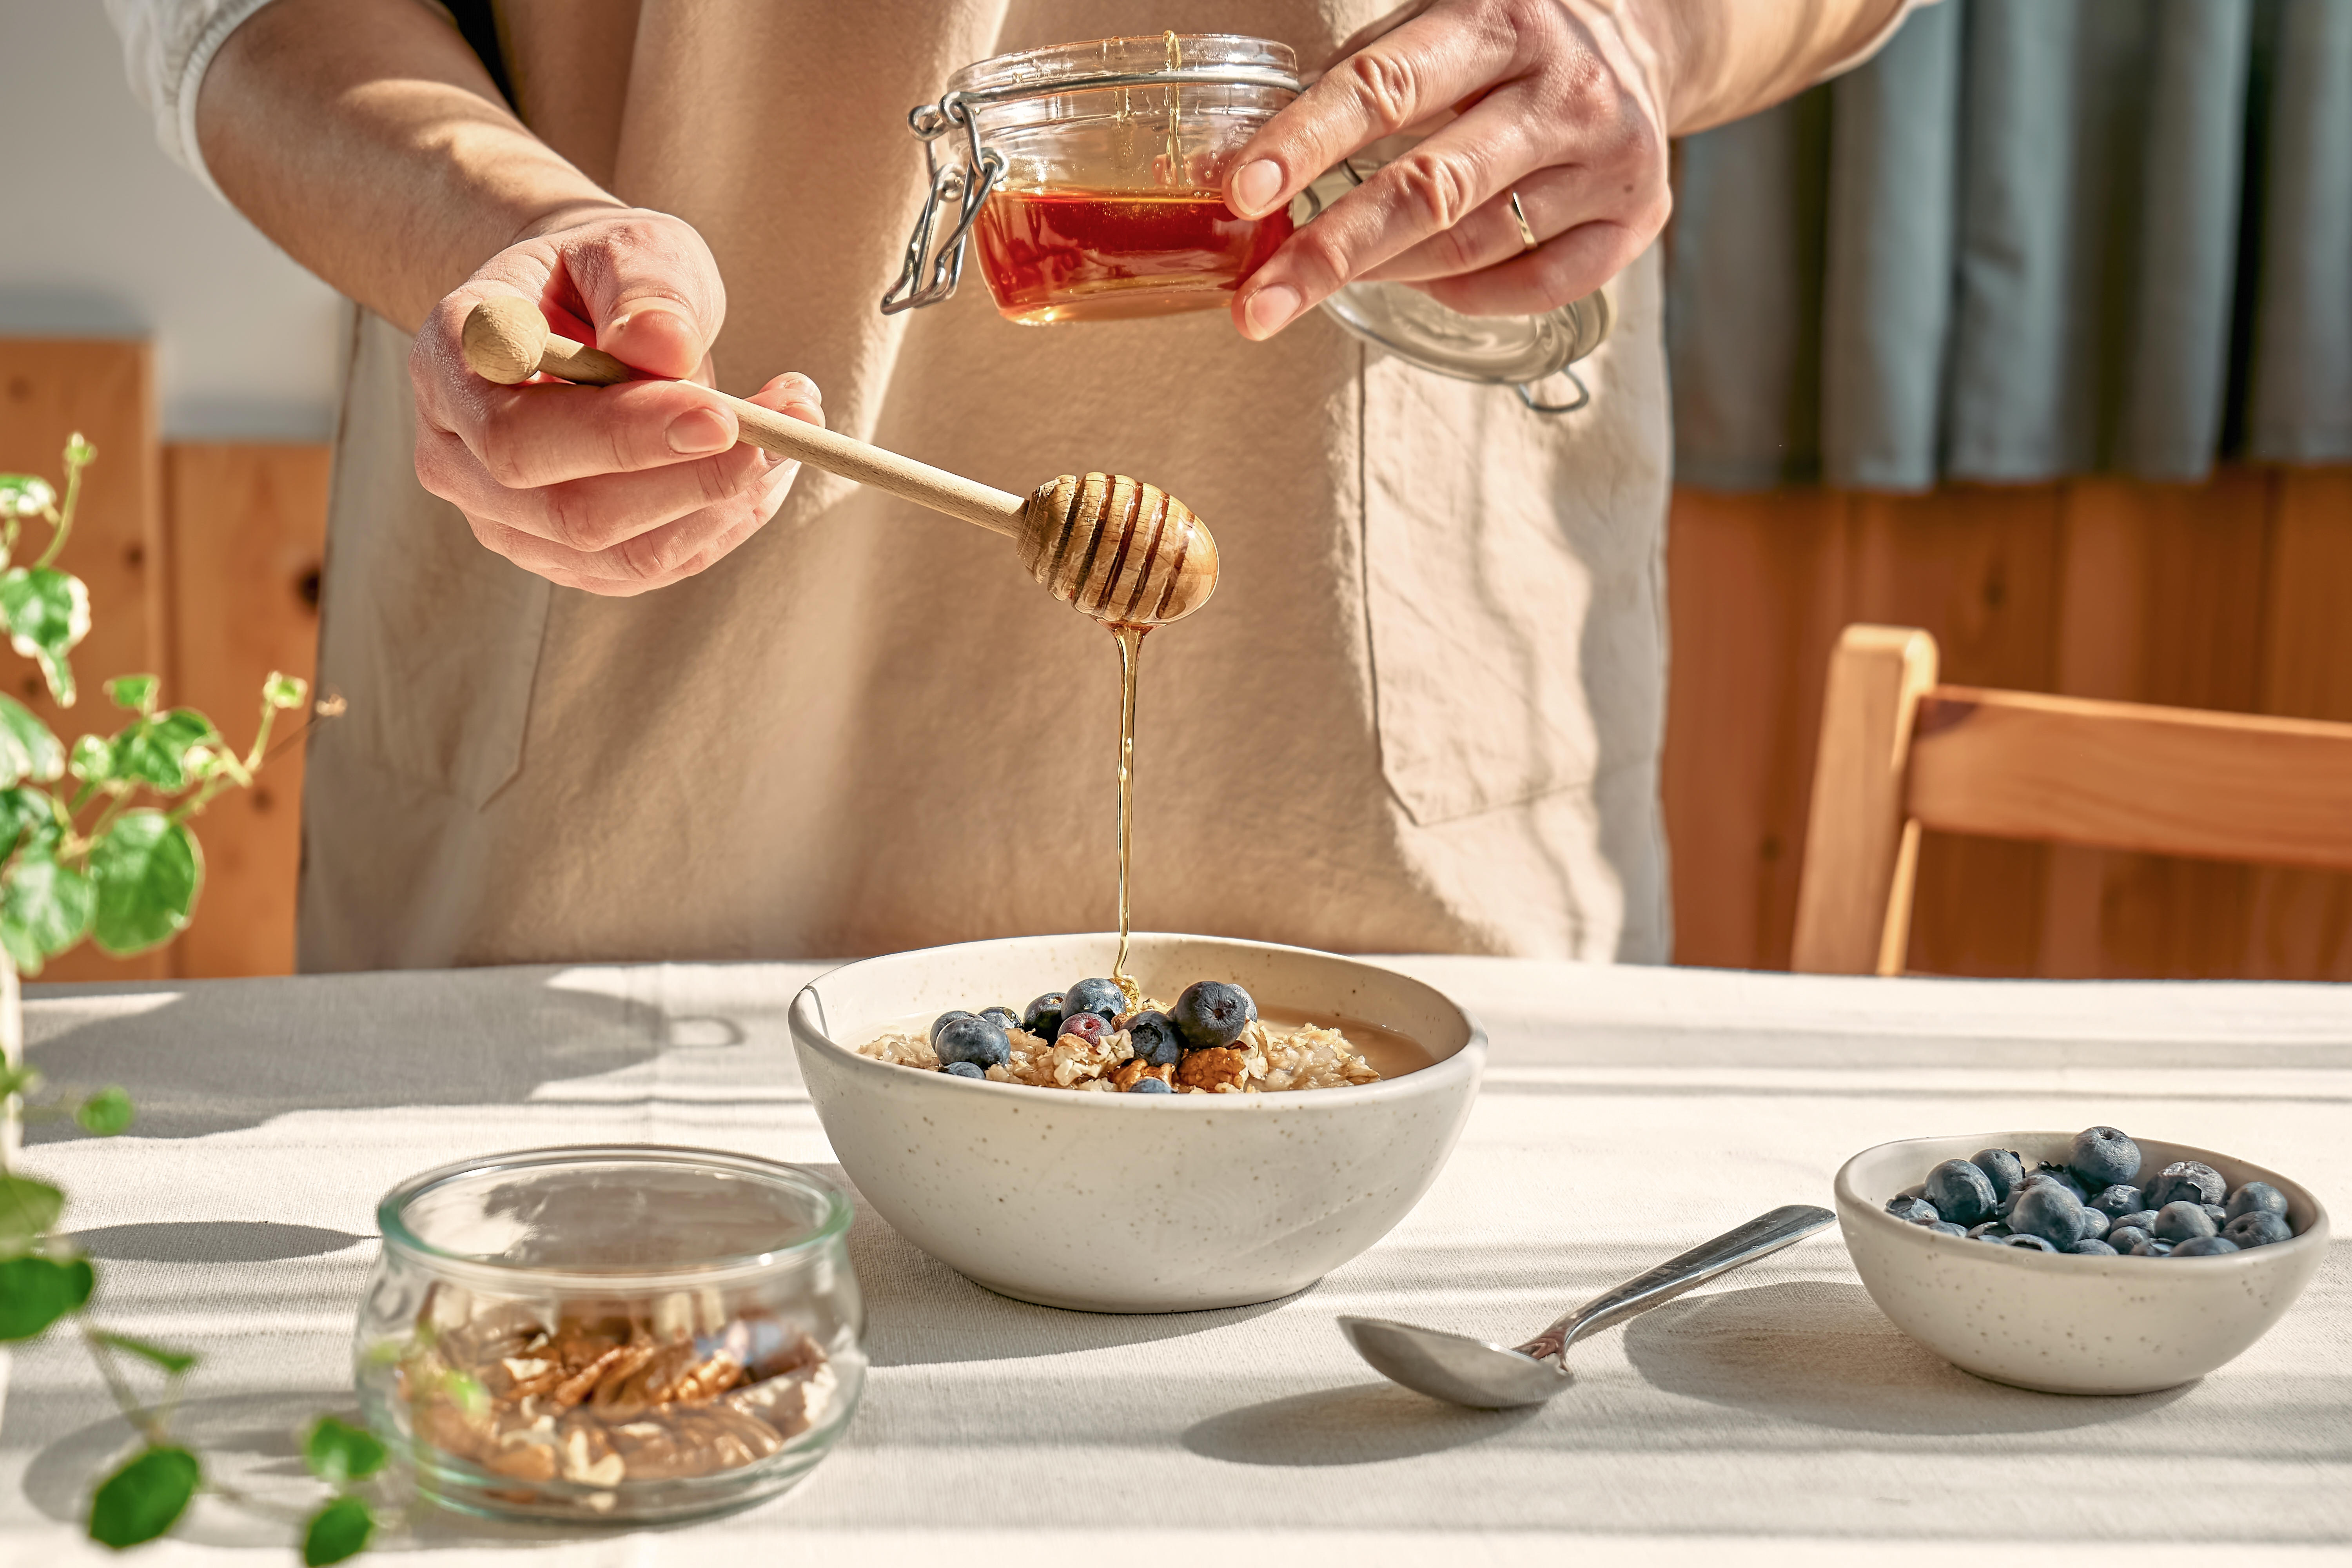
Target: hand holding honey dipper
1124,551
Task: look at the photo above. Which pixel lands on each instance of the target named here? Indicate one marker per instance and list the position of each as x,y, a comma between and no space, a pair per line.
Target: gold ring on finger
1528,240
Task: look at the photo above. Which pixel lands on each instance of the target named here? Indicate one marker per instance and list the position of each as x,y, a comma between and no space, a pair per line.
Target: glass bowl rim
398,1236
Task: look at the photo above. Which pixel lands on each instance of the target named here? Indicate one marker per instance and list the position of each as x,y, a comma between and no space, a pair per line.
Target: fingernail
1256,185
700,431
1271,308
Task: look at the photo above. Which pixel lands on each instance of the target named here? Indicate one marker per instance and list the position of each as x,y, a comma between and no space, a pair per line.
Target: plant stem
138,1414
64,515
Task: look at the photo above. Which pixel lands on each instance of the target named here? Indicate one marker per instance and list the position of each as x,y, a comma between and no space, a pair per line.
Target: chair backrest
1899,753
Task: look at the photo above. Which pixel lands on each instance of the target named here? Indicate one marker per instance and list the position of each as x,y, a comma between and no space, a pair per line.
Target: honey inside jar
1108,194
1107,256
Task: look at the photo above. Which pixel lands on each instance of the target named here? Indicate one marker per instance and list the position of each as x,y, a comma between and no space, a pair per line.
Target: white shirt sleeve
167,45
1878,42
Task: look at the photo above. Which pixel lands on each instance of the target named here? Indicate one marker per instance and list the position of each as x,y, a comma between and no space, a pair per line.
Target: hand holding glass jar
1542,171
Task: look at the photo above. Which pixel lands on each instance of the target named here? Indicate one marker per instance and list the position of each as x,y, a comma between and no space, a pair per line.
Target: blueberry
1102,997
2101,1157
2000,1239
2205,1246
1087,1026
2028,1243
2189,1180
2046,1210
2003,1169
2152,1248
2257,1197
1154,1037
2123,1237
2216,1213
2117,1201
2260,1228
973,1040
1913,1211
1151,1085
943,1020
2064,1177
1212,1013
1946,1227
2183,1222
2092,1247
2144,1218
962,1069
1043,1018
1005,1018
1991,1230
1960,1191
2095,1224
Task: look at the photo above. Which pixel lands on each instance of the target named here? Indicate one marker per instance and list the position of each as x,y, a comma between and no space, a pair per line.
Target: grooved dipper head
1126,553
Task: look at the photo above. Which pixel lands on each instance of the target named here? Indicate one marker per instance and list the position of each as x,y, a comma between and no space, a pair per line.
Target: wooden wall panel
2224,595
248,534
104,388
2298,924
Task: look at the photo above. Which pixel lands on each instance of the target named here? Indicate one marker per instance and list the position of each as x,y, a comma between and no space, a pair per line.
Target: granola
602,1393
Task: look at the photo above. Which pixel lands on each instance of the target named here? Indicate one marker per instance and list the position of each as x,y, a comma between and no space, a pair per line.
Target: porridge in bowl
1106,1036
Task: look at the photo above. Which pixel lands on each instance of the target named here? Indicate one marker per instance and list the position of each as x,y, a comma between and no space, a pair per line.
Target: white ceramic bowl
1119,1203
2064,1324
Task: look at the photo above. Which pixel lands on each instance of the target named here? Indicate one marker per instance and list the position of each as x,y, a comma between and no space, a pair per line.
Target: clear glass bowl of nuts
623,1332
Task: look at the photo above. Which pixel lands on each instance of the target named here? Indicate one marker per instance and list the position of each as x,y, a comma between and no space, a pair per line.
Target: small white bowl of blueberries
2078,1263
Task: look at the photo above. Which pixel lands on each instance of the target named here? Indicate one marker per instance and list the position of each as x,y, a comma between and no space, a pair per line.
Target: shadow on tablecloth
223,1055
1821,1353
1362,1424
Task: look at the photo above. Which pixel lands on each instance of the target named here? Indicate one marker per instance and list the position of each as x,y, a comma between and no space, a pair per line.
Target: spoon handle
1765,1234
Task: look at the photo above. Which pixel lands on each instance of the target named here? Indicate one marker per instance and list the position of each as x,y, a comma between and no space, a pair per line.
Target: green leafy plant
97,846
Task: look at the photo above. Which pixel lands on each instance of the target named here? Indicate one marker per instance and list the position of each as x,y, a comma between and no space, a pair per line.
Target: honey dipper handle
500,337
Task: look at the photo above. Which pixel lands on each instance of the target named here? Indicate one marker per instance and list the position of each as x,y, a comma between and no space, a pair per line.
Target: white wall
102,236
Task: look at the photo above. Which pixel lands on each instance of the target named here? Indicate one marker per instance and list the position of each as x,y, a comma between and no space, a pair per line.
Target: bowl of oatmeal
1257,1170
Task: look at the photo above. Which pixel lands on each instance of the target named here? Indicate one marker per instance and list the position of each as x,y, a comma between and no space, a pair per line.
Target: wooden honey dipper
1119,550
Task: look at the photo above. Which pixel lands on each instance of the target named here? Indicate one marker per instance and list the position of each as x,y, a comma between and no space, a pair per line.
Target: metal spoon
1465,1371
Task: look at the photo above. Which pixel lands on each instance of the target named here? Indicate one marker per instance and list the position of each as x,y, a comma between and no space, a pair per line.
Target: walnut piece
1212,1069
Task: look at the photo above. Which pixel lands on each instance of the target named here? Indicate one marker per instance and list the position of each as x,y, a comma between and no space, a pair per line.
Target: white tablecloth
1628,1113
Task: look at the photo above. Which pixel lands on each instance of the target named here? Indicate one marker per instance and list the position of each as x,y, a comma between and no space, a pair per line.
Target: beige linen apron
1423,714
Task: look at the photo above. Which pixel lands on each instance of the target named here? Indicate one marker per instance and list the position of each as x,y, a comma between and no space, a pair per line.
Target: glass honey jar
1089,180
1092,187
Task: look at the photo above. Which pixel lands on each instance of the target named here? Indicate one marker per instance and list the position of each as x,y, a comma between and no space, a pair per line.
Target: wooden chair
1899,753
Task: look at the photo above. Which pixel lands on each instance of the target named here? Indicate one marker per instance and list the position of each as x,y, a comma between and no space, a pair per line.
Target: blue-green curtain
2031,239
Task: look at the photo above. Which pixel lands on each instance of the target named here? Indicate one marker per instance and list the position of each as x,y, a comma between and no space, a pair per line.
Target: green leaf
18,1080
28,749
91,760
44,907
27,1210
136,692
144,1499
26,495
147,870
337,1531
106,1113
36,1291
173,1362
47,613
282,691
27,816
155,750
337,1451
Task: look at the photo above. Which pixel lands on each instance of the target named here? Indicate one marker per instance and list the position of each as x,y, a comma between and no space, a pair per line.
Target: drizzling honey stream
1130,650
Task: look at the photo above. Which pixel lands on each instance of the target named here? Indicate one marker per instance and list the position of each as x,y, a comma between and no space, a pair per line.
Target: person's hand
614,489
1544,97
